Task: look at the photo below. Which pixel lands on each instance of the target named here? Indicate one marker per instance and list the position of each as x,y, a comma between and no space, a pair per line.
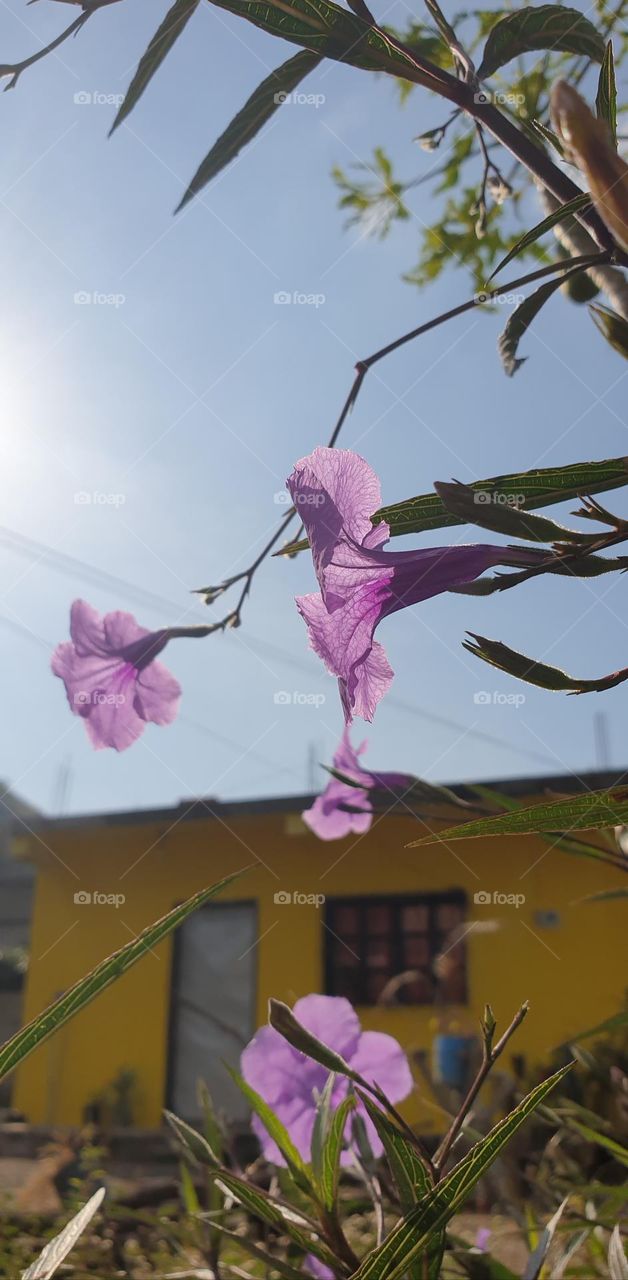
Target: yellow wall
573,975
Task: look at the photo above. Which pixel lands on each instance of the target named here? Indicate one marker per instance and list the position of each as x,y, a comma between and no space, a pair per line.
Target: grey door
213,1005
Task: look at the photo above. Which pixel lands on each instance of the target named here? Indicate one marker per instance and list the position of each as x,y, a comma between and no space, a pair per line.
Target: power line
73,567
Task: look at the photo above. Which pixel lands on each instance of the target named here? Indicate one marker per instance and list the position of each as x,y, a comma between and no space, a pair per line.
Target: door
213,1006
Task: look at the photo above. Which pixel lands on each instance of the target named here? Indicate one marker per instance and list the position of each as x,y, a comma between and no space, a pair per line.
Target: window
401,950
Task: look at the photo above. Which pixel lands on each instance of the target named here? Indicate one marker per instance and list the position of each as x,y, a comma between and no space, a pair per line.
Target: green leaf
539,488
191,1202
613,327
536,1261
167,33
58,1249
606,100
262,104
565,211
283,1020
576,813
550,27
277,1131
272,1262
418,1229
275,1214
606,895
521,318
505,517
330,31
195,1145
409,1174
614,1148
538,673
108,971
331,1152
616,1022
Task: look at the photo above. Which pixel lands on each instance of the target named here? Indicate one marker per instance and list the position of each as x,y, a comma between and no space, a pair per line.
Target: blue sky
186,400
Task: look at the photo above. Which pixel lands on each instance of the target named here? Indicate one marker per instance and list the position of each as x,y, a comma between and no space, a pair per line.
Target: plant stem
491,1054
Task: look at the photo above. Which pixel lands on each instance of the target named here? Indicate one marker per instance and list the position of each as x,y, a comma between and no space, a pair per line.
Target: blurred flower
315,1267
336,493
482,1239
111,677
588,143
291,1083
330,818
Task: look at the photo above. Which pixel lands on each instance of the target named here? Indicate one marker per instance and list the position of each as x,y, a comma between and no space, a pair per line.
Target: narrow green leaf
539,673
612,326
615,1149
550,27
505,517
277,1131
418,1229
269,95
283,1020
191,1202
328,30
521,318
615,1023
58,1249
607,895
332,1150
164,38
322,1120
83,991
409,1174
275,1214
195,1144
606,100
530,489
272,1262
535,1264
565,211
576,813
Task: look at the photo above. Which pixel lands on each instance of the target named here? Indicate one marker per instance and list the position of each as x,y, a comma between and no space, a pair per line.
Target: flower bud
587,144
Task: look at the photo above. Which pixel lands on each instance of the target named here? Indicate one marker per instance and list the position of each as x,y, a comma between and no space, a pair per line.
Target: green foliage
108,971
586,812
539,27
257,110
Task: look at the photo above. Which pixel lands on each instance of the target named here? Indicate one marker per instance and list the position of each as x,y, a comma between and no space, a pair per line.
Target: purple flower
291,1083
330,818
336,492
315,1267
111,676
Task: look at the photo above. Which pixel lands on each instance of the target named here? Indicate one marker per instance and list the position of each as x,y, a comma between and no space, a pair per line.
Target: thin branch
490,1056
14,70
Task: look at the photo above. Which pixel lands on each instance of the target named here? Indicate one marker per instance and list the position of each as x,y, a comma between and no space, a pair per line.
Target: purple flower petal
111,679
291,1083
333,815
336,492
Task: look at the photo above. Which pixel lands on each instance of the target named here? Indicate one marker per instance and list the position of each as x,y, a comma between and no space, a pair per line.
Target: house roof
195,809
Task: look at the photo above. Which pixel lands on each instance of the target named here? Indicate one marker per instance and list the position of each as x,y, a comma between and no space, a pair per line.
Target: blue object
450,1059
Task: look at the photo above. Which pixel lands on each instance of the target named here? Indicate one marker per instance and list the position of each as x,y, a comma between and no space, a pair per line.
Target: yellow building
347,917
